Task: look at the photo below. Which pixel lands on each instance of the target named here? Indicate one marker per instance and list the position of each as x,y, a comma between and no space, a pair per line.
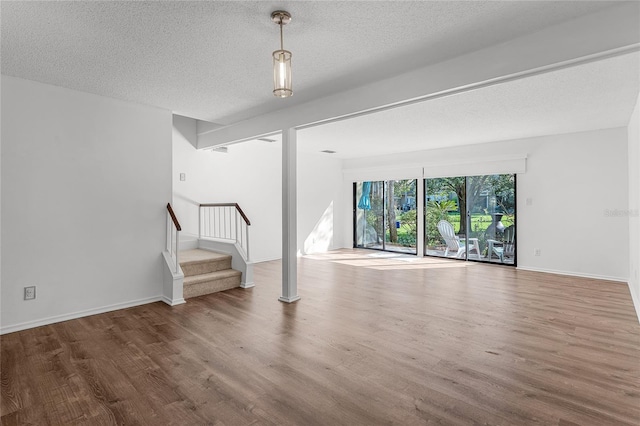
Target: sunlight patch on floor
384,264
385,261
447,265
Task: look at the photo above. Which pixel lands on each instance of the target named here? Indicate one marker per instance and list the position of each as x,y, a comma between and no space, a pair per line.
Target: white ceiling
592,96
211,60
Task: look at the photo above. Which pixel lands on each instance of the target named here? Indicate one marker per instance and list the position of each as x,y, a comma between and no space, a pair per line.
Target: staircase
207,272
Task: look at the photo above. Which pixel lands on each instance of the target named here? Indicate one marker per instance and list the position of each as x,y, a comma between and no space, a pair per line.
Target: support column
289,218
420,212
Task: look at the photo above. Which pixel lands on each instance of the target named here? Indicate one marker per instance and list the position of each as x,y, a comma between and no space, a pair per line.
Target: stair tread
225,273
197,256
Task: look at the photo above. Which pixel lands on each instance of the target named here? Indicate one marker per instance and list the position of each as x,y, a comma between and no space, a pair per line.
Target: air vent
222,149
267,140
328,151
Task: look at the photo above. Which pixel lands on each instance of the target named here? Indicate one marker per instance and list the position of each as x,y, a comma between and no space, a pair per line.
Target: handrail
236,205
173,217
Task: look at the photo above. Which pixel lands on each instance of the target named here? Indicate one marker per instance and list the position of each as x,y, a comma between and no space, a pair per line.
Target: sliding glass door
471,217
385,215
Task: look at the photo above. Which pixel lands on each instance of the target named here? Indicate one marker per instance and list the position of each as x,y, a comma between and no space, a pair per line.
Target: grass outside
479,222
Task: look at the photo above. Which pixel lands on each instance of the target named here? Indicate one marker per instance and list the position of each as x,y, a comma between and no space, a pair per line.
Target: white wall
0,207
634,205
85,181
250,174
320,203
576,182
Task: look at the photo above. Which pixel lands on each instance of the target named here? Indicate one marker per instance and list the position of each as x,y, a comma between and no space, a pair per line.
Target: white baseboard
289,299
573,274
266,259
636,302
247,285
188,242
171,302
65,317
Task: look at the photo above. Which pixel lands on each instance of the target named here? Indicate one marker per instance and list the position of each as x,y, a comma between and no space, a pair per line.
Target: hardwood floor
374,340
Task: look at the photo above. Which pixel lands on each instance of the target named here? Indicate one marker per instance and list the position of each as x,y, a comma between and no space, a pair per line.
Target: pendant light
281,60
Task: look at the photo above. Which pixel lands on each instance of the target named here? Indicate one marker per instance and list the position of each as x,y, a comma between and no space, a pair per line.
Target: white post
289,218
199,222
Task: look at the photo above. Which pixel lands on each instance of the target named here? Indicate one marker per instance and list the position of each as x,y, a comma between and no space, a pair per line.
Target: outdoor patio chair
454,243
505,248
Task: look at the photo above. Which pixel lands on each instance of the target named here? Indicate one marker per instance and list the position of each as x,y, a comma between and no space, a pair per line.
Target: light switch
183,176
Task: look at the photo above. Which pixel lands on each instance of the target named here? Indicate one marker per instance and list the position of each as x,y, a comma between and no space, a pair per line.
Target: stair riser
206,267
213,286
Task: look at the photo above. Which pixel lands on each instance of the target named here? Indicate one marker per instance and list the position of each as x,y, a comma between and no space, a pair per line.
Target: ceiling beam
610,31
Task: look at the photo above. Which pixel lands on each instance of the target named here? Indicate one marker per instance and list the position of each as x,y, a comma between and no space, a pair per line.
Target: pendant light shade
282,74
282,83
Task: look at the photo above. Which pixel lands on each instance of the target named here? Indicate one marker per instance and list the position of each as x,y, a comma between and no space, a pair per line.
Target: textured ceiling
212,60
592,96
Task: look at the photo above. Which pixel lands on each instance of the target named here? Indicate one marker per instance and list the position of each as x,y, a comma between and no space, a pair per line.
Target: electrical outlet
30,293
536,252
183,177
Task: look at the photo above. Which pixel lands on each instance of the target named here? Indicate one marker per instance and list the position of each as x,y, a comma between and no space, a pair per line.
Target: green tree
466,191
391,212
504,188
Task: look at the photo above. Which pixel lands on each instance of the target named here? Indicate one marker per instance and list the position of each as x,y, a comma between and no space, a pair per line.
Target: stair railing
173,234
225,221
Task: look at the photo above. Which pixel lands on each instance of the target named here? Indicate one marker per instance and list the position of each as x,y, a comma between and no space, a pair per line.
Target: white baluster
177,235
236,223
247,248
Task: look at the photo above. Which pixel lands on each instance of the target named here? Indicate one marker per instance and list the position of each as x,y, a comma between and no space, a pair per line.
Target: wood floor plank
374,340
14,390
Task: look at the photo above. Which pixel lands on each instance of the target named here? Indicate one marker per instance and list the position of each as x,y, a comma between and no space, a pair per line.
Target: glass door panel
445,218
492,217
362,203
369,215
401,218
478,216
